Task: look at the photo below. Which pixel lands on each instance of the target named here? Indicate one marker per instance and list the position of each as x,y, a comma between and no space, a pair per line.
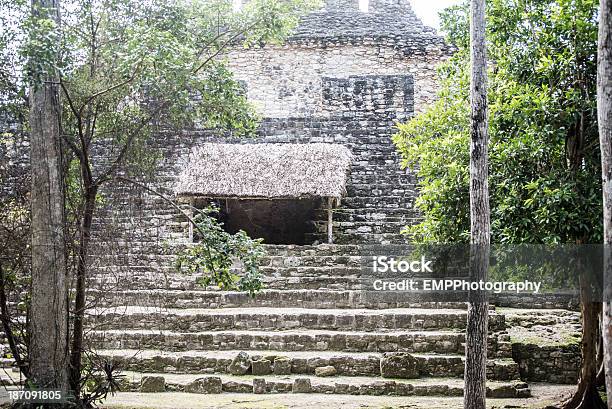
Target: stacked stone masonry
345,77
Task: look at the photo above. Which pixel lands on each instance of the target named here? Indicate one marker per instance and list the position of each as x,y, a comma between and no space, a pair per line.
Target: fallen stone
237,387
259,386
399,365
261,367
301,385
210,384
152,384
504,391
282,366
325,371
240,364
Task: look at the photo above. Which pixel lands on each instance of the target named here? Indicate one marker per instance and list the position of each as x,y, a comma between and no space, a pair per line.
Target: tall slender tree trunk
91,192
604,113
586,395
477,317
48,349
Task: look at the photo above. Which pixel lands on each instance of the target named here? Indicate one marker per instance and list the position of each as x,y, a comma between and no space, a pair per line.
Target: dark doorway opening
282,221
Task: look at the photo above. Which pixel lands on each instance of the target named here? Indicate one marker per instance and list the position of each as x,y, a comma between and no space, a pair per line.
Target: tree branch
174,205
77,116
109,89
6,326
224,46
106,175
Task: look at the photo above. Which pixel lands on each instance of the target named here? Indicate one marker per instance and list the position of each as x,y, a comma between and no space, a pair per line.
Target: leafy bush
545,176
230,261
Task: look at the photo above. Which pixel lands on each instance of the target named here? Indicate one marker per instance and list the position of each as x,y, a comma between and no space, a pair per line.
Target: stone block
302,385
501,392
399,365
342,388
259,386
261,367
237,387
282,366
240,364
325,371
209,384
152,384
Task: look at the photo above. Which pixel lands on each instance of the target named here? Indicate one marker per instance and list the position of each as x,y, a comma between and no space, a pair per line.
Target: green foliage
542,81
126,67
12,91
101,376
229,261
41,48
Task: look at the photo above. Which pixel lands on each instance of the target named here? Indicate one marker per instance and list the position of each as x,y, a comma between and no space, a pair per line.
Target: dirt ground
543,396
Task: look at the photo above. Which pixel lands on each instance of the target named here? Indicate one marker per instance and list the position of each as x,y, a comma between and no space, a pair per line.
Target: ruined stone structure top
311,73
385,21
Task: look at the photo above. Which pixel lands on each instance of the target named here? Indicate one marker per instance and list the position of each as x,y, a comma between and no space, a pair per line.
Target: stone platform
168,334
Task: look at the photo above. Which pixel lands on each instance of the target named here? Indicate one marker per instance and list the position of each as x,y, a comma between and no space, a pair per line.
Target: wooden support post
190,212
330,221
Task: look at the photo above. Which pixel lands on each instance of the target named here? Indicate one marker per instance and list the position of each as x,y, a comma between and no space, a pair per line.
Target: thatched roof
265,170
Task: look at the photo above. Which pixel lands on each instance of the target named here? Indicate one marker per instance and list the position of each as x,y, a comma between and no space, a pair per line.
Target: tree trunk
79,306
600,379
477,317
604,113
587,397
48,349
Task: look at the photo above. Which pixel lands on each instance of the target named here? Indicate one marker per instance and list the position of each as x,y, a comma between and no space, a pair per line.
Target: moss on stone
566,340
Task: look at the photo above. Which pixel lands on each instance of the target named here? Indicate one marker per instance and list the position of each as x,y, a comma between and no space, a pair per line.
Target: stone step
364,273
375,202
404,216
445,342
371,238
369,227
449,342
399,178
366,187
297,267
173,281
155,382
370,172
319,299
275,279
278,319
381,189
301,362
272,260
375,226
330,249
338,271
151,250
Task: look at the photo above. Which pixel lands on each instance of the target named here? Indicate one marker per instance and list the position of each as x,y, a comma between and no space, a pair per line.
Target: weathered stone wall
554,363
292,81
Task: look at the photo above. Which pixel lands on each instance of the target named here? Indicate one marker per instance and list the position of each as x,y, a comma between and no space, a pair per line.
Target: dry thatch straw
266,170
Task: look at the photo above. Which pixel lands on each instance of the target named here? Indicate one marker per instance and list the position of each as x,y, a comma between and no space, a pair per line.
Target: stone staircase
316,328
